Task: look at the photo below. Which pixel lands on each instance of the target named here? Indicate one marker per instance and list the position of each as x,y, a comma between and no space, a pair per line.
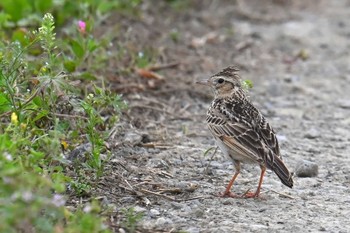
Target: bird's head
226,83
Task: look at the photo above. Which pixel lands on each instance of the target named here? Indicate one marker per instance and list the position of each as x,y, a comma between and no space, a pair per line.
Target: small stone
177,205
312,133
139,209
164,222
154,212
344,103
228,201
198,213
132,138
306,168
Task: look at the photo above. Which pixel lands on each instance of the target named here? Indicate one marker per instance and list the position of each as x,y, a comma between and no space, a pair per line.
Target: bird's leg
256,194
228,192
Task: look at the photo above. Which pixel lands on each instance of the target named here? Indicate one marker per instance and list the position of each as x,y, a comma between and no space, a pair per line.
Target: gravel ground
297,53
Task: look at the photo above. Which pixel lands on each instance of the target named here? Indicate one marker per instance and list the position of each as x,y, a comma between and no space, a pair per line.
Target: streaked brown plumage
241,131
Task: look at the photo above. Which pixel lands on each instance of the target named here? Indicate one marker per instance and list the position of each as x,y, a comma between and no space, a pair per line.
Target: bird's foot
250,195
228,194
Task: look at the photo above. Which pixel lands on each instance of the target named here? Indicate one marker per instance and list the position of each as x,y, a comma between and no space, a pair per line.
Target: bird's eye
221,80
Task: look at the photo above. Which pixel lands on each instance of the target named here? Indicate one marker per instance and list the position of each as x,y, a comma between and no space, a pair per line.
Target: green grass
51,101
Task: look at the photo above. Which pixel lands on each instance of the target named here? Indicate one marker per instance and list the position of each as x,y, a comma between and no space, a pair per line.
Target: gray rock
198,213
139,209
153,213
132,138
306,168
344,103
164,222
312,133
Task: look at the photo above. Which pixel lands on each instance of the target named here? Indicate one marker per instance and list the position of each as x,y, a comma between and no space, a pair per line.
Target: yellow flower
64,144
43,69
14,118
23,126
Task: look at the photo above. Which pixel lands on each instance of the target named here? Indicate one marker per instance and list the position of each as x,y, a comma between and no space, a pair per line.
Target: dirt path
297,55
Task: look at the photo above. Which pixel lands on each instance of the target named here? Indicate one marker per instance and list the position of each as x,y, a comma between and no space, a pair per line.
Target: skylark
241,131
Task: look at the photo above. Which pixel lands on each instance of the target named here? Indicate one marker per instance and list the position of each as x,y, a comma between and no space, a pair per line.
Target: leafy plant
34,133
247,84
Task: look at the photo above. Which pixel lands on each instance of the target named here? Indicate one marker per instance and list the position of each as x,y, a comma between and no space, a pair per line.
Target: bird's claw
228,194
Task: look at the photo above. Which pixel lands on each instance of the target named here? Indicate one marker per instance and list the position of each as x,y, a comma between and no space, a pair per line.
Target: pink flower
81,26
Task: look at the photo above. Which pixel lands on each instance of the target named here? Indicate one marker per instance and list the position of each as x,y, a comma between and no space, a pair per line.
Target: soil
296,53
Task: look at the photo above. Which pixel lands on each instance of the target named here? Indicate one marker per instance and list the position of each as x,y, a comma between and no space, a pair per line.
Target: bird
241,131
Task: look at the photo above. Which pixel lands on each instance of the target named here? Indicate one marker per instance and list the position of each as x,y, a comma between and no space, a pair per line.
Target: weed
34,130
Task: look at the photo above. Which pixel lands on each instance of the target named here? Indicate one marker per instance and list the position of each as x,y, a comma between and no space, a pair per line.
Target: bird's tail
282,172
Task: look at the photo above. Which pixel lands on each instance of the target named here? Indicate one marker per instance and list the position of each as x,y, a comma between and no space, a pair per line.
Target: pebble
132,138
153,213
157,163
139,209
312,133
164,222
228,201
344,103
306,168
177,205
199,213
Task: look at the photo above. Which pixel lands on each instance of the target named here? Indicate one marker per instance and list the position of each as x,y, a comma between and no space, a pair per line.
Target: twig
158,194
147,73
206,169
128,189
246,192
166,174
129,185
157,145
283,194
163,66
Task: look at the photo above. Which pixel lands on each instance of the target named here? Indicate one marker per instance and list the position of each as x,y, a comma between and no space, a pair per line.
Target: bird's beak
203,82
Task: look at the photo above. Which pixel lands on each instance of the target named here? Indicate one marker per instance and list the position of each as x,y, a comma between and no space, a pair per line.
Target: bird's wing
269,136
238,136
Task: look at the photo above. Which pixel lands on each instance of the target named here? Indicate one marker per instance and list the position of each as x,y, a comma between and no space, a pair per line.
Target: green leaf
247,84
21,36
37,101
40,115
5,104
17,9
92,45
88,76
208,150
106,6
42,5
78,50
70,65
4,18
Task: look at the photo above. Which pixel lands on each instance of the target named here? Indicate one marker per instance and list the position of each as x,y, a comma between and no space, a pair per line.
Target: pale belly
233,155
